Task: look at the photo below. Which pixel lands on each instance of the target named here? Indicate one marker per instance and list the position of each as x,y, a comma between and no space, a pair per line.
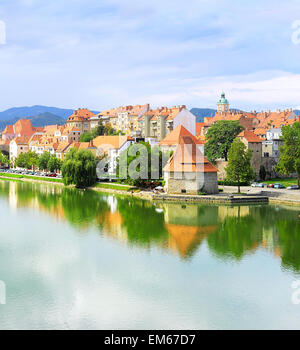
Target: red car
271,185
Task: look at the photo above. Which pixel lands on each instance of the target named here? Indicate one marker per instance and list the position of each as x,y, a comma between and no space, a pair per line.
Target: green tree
79,168
219,138
289,161
239,163
99,130
86,137
3,159
28,160
43,161
54,164
262,173
148,162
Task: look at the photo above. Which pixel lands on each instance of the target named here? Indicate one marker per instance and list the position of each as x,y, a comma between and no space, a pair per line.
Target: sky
101,54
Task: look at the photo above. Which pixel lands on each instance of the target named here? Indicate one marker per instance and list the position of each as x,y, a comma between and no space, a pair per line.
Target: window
183,191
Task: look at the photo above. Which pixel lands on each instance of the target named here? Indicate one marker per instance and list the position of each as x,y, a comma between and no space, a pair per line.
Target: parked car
262,185
256,184
293,187
279,186
271,186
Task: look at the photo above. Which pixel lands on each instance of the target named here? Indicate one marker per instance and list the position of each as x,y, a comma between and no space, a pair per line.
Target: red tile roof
188,158
9,130
174,137
24,127
199,127
81,114
249,136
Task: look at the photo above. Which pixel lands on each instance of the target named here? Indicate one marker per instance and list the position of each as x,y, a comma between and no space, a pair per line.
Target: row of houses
136,121
58,140
171,128
262,133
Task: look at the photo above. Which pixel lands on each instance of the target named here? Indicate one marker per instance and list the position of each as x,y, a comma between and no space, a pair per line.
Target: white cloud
259,90
102,54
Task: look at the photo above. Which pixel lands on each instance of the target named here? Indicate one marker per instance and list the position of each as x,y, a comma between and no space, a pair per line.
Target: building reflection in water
230,232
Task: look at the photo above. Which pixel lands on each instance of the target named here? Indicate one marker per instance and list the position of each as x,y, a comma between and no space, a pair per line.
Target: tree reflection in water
230,232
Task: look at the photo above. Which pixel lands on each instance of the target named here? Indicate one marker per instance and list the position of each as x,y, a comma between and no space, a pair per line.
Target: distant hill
47,119
40,120
24,112
200,113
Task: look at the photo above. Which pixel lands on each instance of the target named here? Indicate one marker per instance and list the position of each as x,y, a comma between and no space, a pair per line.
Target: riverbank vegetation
219,138
239,167
290,151
116,186
285,182
79,168
3,159
28,160
49,162
36,178
142,165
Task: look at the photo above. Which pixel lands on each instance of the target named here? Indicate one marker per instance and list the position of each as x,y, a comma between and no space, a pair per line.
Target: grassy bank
112,186
37,178
284,182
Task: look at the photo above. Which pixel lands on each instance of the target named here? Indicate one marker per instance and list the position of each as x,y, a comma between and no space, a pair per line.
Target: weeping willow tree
79,168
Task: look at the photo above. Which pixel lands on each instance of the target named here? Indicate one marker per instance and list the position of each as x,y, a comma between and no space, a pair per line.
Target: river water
73,259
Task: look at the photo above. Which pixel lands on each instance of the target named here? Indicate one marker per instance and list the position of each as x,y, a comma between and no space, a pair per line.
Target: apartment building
157,124
17,146
81,119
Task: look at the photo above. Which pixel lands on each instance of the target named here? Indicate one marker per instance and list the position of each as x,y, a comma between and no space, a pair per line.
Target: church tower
223,104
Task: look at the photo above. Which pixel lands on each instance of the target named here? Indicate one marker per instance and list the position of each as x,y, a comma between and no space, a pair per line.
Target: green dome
223,100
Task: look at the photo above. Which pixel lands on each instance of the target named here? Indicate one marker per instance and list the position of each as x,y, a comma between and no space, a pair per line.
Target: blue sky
105,53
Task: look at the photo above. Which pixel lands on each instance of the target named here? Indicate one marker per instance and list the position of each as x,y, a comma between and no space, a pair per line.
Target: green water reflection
230,232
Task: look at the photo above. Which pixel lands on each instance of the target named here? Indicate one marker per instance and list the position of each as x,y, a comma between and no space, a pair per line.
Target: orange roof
22,140
199,127
68,130
81,114
245,119
8,130
5,142
274,119
62,146
109,142
174,137
260,131
188,158
249,136
134,110
169,113
24,127
35,138
83,145
39,129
